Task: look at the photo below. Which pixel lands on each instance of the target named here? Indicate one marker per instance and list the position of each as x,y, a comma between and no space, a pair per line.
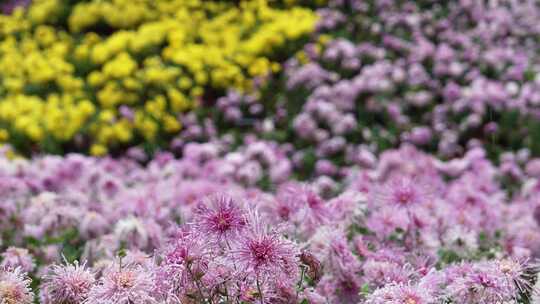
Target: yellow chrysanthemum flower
67,69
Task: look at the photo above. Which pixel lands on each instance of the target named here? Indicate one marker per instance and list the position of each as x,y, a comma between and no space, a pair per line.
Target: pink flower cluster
444,76
411,229
312,190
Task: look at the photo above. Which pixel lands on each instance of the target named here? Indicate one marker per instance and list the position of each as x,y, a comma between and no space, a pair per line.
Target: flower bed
445,77
429,231
108,74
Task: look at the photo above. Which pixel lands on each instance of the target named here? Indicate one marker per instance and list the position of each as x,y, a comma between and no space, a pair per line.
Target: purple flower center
222,221
484,281
284,212
404,196
313,201
262,251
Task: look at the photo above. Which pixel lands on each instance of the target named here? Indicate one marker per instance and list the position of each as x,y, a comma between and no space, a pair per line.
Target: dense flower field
443,77
185,231
105,74
284,152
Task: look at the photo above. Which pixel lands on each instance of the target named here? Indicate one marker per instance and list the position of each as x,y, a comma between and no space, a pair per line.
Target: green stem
259,290
198,285
301,281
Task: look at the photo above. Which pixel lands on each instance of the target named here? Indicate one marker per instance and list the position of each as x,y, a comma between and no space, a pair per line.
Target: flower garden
269,151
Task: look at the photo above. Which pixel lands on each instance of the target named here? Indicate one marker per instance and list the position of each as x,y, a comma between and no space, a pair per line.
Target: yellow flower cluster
102,74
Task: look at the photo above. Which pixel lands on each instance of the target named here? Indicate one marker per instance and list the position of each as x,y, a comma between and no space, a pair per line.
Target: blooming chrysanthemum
137,258
187,247
15,287
341,288
402,192
220,217
312,209
488,282
93,224
330,245
67,284
136,232
400,294
186,265
282,209
385,221
263,252
518,273
384,272
15,257
127,285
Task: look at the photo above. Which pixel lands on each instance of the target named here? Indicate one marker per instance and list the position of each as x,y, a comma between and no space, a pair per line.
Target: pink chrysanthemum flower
263,252
220,217
311,210
187,248
330,245
15,257
139,233
493,281
93,224
518,273
383,272
15,287
282,208
401,192
186,266
385,221
67,284
137,258
127,285
400,294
